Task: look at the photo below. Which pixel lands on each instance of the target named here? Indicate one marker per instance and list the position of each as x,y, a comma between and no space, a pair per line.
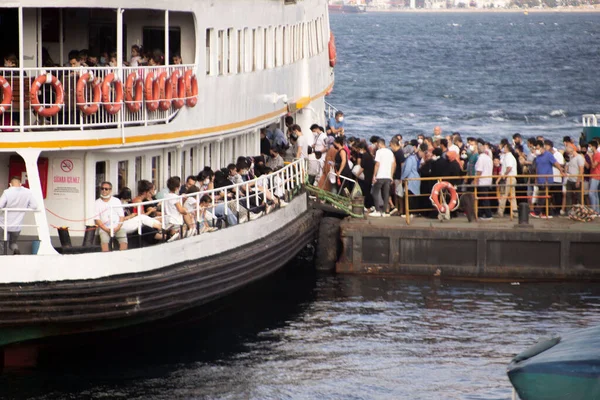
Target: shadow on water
82,370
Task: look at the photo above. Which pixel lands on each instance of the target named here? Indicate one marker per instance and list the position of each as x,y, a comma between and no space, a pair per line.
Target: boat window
183,161
156,162
212,55
138,168
249,39
122,180
221,52
241,51
193,167
232,51
100,175
154,38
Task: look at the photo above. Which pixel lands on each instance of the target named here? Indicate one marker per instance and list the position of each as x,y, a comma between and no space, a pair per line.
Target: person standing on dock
385,164
16,196
483,180
507,179
544,161
595,178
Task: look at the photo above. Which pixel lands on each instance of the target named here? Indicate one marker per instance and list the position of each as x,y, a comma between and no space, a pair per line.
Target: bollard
524,216
65,238
89,235
358,205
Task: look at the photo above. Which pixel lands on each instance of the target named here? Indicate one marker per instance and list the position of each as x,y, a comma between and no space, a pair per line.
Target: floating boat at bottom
566,367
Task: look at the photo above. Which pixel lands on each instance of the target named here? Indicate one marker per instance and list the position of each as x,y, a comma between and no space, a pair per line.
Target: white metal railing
330,110
4,225
276,183
19,115
590,119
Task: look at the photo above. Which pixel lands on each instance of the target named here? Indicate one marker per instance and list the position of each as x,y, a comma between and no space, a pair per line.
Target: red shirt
596,171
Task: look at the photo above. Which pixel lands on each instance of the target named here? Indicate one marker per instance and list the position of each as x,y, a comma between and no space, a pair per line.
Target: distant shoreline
487,10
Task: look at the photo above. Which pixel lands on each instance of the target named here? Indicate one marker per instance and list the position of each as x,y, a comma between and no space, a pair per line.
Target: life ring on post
82,104
35,101
191,88
165,92
435,197
7,95
152,92
178,89
114,106
134,104
332,50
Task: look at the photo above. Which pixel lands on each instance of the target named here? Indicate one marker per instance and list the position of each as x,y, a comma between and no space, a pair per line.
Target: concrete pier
556,249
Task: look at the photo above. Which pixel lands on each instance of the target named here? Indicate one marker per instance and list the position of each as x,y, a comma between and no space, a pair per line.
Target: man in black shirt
367,167
398,192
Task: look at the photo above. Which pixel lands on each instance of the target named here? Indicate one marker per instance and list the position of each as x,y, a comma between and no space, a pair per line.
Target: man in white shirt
107,219
385,165
484,167
556,189
302,142
507,180
16,196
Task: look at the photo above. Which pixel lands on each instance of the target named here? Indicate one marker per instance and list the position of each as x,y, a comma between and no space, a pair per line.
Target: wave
558,113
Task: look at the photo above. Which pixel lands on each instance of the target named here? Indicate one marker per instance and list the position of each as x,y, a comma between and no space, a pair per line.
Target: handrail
6,210
291,175
589,120
461,180
330,110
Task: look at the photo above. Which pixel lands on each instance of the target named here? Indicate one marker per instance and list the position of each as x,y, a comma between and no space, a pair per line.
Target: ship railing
590,119
5,225
94,112
281,183
330,111
525,188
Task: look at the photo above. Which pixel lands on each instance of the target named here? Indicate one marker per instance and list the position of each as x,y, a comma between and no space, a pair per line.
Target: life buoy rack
177,89
435,197
134,103
152,92
165,92
7,95
332,50
191,88
82,83
112,107
35,101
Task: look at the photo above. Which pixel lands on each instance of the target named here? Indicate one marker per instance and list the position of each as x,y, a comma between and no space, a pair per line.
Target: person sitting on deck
336,124
175,213
189,182
109,215
133,221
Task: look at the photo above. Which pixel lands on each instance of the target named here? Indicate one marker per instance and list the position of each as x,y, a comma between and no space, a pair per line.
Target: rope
71,220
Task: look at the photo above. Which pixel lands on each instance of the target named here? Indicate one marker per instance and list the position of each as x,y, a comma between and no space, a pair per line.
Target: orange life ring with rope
7,95
332,50
82,104
35,101
114,106
435,197
177,89
165,92
134,104
191,88
152,92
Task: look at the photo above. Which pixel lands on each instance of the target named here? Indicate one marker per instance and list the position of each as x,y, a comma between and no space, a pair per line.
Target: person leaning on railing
595,176
16,196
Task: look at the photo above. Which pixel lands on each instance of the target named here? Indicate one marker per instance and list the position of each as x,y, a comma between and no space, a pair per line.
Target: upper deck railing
35,99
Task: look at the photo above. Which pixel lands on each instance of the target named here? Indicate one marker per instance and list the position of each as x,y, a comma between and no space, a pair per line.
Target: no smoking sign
66,165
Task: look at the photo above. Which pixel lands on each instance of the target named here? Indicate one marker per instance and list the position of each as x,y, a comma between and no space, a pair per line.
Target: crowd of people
501,174
190,208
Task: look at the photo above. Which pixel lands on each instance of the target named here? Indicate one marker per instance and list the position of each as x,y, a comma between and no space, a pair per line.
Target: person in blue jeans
544,161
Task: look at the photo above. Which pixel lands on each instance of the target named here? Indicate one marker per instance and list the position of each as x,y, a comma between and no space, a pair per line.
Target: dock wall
511,254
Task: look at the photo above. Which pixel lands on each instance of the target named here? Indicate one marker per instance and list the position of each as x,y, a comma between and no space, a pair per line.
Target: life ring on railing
114,106
6,95
177,89
82,104
134,104
165,92
35,101
435,196
191,88
152,91
332,50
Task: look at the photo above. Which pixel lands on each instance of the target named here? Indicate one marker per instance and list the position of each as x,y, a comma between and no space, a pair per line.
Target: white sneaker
243,218
282,203
191,232
385,215
174,237
254,216
375,214
269,208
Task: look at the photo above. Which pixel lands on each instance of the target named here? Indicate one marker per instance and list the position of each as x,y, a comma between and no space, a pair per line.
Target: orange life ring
191,88
332,50
114,106
35,101
134,104
6,95
152,92
435,196
178,89
82,105
165,92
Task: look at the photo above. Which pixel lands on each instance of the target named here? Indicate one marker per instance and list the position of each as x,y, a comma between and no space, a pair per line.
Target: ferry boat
66,129
346,8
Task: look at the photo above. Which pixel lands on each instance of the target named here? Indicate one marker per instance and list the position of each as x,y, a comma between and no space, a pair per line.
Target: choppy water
487,75
300,336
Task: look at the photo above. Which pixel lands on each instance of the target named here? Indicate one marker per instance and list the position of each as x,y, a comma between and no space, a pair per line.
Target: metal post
581,190
21,75
476,204
167,57
547,201
406,202
61,44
